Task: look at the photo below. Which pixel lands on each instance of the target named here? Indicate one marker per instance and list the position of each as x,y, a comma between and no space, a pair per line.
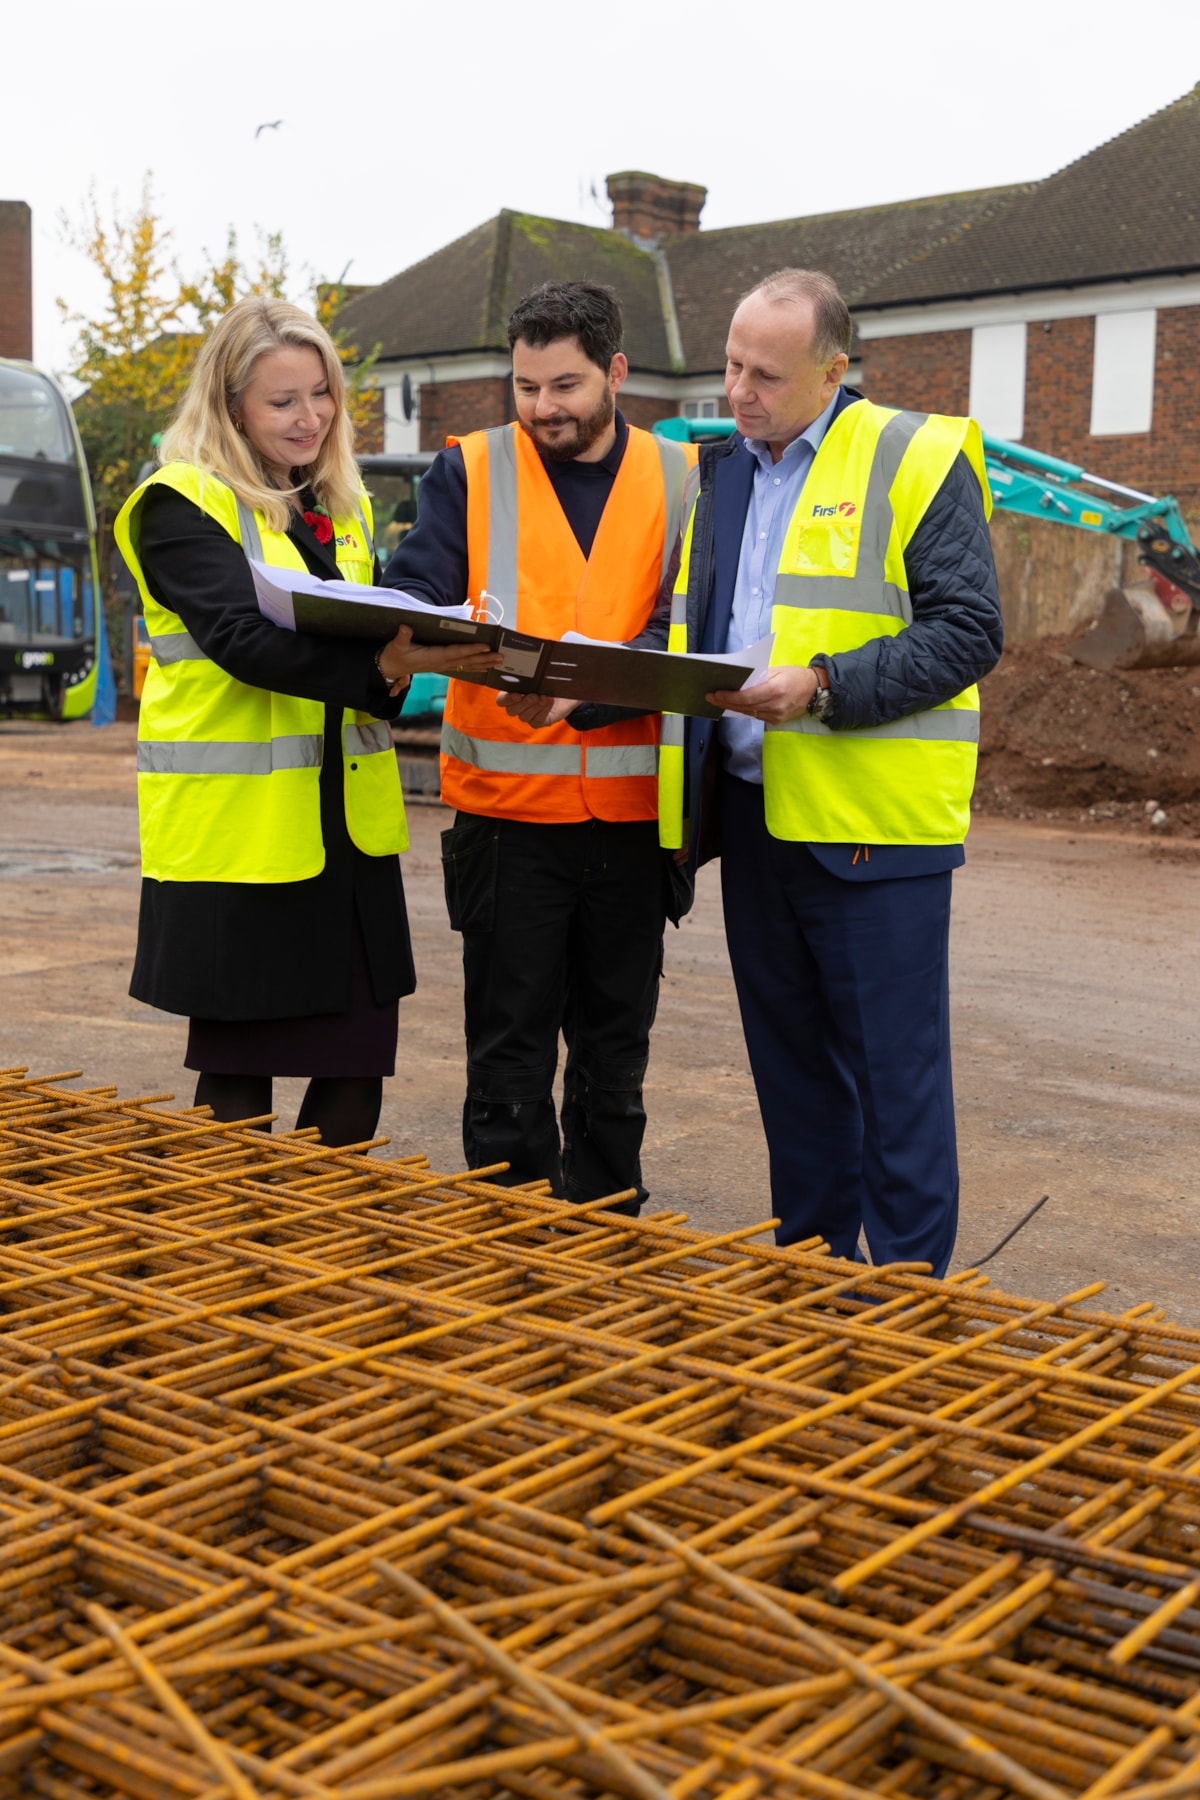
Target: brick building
1071,320
442,322
1063,312
16,280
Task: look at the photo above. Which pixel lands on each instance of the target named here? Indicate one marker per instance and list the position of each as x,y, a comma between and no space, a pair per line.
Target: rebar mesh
324,1474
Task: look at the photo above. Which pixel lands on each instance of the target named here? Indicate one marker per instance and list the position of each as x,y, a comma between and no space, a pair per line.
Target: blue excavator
1150,624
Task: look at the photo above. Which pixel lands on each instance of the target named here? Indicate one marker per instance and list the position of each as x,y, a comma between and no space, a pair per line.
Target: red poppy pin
320,524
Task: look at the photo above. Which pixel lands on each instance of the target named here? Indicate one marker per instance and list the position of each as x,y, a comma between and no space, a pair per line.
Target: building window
700,409
1123,372
998,379
401,436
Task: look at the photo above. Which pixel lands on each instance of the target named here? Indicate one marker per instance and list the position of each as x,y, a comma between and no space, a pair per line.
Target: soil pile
1061,742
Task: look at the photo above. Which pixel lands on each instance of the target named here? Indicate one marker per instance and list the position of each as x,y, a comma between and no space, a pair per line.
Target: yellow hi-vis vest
841,581
229,775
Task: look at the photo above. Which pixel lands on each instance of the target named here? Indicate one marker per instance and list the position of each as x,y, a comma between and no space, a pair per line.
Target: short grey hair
832,329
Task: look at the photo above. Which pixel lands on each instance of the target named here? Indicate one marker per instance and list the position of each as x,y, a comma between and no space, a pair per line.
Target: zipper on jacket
700,573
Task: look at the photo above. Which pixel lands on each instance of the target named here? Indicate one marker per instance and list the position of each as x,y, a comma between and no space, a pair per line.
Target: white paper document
275,588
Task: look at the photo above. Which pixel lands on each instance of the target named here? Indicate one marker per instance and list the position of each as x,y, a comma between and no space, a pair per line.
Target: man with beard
569,520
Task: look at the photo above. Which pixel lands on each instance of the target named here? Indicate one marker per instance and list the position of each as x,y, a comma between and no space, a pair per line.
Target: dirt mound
1062,742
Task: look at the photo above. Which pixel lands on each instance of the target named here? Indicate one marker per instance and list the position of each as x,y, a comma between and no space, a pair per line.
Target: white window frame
998,379
401,436
1123,357
700,409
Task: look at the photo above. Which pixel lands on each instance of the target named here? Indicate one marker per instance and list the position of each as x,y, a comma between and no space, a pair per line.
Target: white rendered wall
1123,372
998,379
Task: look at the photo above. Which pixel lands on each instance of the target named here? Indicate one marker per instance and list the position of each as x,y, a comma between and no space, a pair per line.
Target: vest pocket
821,547
470,871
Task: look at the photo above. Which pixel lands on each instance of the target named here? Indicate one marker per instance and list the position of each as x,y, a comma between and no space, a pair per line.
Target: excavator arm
1151,625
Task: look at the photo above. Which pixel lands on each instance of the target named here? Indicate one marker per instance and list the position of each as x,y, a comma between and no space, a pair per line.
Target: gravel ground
1075,953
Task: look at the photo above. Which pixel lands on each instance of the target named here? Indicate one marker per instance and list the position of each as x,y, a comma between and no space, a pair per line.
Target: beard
588,431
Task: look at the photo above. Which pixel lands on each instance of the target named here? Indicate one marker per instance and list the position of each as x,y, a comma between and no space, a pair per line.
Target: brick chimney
646,207
16,280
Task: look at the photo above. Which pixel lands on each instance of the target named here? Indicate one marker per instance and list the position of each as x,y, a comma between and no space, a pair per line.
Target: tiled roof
1129,208
712,269
459,298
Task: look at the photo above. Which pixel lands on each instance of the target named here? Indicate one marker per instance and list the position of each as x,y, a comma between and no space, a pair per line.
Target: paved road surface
1075,1005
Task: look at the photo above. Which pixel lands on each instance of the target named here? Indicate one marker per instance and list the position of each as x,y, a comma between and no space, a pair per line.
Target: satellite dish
407,397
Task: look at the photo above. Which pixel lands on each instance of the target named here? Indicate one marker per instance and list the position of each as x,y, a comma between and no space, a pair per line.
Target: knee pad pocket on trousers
509,1087
611,1077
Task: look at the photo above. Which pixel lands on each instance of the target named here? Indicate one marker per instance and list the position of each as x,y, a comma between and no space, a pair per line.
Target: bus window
45,605
31,418
15,612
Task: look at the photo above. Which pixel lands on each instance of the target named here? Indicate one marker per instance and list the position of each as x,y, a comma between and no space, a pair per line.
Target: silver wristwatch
820,707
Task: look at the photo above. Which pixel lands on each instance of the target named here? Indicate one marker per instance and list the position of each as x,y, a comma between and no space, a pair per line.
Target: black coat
235,950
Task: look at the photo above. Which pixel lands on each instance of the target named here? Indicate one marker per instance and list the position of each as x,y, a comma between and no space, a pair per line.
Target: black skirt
360,1041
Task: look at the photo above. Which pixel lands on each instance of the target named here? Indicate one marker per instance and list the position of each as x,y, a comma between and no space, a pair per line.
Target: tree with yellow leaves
133,359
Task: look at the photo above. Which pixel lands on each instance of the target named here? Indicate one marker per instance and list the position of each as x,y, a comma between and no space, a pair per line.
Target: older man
838,791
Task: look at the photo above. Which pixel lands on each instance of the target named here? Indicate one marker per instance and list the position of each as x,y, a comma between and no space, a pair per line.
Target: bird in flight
270,125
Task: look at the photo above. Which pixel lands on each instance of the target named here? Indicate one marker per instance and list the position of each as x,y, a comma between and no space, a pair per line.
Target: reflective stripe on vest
604,762
676,475
251,538
176,646
373,739
607,761
299,752
512,759
523,553
939,725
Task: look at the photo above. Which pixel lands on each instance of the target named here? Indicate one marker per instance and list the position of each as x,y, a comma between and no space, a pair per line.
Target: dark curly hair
560,309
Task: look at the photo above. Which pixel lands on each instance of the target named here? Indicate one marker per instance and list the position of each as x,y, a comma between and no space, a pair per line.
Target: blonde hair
203,431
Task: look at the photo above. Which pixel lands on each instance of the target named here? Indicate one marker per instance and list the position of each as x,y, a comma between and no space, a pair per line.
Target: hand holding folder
578,668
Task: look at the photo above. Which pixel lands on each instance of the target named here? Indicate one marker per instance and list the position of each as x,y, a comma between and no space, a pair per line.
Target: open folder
577,668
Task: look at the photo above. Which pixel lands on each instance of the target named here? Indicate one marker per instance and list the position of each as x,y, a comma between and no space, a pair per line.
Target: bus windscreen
48,569
32,419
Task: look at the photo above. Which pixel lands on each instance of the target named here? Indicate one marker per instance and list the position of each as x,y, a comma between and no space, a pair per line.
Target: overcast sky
405,125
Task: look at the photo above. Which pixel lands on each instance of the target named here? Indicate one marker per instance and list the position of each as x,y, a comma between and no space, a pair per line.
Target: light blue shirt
773,499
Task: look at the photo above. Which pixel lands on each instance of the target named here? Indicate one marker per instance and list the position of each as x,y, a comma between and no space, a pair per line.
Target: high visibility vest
840,583
229,775
523,553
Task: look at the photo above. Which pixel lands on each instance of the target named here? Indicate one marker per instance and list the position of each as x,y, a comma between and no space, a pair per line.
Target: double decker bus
49,579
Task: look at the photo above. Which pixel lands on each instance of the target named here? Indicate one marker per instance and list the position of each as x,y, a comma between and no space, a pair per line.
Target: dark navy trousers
845,1000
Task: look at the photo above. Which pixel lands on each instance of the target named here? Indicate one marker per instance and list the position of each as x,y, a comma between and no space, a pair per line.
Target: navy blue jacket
955,637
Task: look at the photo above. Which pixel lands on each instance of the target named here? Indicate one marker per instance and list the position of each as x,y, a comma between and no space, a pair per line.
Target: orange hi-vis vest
523,553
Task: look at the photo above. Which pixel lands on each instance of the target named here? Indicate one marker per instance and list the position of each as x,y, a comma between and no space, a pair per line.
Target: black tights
344,1108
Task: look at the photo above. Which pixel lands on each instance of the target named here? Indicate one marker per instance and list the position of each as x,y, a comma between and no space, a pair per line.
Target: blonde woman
272,910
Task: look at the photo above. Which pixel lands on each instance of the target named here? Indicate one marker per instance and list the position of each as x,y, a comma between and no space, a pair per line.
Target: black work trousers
562,930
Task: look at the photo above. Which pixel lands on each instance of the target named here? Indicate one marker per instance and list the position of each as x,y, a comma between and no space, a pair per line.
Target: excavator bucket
1136,631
